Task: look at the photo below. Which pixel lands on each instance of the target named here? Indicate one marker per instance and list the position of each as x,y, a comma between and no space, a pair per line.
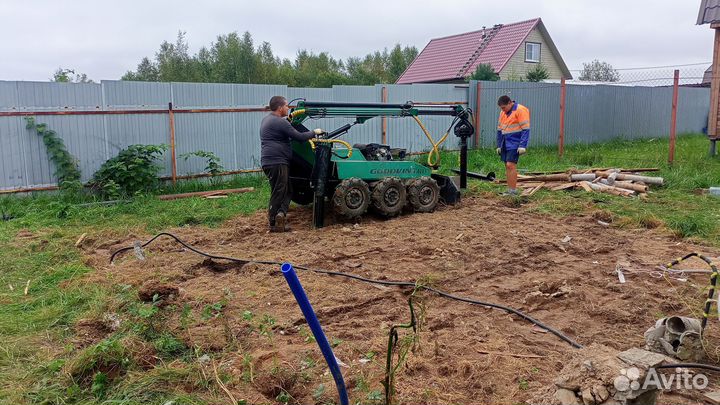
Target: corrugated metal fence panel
693,107
601,113
122,95
247,125
214,132
48,96
125,130
13,139
8,96
83,135
368,132
543,100
404,132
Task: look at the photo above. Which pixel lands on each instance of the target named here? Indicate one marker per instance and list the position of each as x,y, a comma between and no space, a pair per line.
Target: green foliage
133,171
597,71
538,73
66,167
484,71
69,76
234,58
213,165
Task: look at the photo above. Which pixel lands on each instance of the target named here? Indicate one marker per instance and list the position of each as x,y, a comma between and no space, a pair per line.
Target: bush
133,171
213,166
537,74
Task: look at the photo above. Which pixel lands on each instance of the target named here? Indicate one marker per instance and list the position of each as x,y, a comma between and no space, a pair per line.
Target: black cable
367,280
691,365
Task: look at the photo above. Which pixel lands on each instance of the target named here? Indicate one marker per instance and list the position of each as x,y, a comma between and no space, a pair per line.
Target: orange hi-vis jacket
513,129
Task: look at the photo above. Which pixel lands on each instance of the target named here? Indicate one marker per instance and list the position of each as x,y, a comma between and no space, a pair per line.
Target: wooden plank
206,193
564,186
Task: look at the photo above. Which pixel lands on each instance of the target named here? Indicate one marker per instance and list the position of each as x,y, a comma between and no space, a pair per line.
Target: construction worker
513,134
275,154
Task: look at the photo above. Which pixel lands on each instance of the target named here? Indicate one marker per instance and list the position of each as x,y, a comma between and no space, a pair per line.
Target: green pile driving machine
355,178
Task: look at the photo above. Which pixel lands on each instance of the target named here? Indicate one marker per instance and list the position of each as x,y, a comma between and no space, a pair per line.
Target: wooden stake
173,160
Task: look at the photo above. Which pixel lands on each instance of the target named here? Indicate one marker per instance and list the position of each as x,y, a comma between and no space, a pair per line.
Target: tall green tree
233,58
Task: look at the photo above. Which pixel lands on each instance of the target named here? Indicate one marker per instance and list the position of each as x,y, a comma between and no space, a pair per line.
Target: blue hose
314,324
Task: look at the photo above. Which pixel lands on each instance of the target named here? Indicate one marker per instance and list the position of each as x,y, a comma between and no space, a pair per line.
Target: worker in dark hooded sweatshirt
275,154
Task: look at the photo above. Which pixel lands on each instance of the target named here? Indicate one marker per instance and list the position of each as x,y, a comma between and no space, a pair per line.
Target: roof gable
457,56
709,12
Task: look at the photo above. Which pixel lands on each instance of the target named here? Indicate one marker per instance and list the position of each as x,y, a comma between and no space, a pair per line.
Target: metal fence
97,120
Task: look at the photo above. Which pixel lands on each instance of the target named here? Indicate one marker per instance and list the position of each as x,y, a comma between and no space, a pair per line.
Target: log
596,169
610,189
632,177
206,193
582,177
640,188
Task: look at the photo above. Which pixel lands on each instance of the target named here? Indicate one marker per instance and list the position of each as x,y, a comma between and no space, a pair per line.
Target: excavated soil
559,270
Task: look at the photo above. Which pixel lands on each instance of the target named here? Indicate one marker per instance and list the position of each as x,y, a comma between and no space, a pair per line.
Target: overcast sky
104,39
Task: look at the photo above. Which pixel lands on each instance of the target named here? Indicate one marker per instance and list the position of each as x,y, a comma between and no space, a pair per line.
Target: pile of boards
622,182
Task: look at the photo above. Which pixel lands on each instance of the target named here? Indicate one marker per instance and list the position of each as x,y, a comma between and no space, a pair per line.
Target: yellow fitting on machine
296,112
434,155
331,141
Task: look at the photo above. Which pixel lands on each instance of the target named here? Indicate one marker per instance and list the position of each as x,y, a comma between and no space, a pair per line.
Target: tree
537,74
597,71
69,76
484,71
233,58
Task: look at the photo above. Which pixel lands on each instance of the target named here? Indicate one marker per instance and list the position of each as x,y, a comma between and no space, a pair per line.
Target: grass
676,206
38,363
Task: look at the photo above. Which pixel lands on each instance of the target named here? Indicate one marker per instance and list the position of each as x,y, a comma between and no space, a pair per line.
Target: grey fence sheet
593,114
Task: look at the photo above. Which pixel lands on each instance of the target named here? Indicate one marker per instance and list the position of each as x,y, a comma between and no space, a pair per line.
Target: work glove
318,131
521,151
497,151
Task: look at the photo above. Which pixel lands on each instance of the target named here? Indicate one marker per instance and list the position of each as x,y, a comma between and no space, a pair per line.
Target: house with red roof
511,49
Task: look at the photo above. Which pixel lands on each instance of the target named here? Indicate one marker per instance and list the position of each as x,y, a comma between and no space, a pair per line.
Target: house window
532,52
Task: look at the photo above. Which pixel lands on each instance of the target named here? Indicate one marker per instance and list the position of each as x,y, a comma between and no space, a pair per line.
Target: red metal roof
450,57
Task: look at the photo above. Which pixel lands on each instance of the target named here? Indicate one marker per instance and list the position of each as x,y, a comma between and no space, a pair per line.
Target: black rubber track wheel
389,196
351,198
423,194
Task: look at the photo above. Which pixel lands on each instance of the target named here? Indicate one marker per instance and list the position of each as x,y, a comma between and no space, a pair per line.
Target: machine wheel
351,198
423,194
389,196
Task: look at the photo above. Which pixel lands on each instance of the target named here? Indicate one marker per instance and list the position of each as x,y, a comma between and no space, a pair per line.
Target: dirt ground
559,270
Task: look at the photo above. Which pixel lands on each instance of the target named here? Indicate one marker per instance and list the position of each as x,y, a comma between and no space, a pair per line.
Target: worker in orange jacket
513,134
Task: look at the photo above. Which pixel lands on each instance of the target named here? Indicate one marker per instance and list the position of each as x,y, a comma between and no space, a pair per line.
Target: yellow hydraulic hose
434,155
331,141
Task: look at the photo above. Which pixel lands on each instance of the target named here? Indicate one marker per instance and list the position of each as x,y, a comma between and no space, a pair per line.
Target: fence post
173,162
476,140
673,117
384,118
561,136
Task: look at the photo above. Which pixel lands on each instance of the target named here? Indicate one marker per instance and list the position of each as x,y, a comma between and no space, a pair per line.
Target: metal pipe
324,104
312,321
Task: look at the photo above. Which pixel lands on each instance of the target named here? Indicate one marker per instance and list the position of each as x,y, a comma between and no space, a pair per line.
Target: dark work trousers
279,176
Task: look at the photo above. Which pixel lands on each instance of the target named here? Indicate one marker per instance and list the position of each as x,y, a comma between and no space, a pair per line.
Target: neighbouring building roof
709,12
457,56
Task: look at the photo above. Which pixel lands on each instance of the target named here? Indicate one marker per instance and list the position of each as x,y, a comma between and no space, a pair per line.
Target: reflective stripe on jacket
514,127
